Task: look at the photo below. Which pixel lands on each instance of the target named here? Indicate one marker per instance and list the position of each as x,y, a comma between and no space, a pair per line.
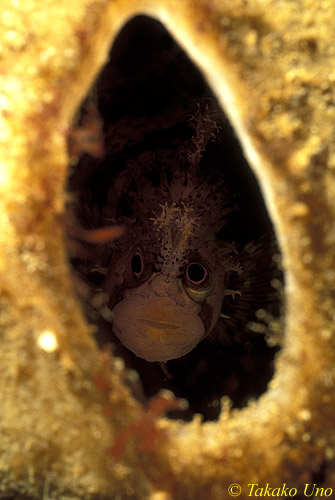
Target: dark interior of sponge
145,96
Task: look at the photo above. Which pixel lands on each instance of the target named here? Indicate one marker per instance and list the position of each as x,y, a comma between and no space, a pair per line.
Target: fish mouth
156,329
158,324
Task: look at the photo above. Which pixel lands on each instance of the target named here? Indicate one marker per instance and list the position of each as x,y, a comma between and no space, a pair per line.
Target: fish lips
156,329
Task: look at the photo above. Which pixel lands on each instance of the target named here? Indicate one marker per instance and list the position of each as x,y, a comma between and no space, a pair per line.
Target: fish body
167,278
168,194
171,272
166,281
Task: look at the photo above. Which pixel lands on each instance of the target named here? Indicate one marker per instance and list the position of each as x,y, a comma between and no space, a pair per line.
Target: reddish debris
145,429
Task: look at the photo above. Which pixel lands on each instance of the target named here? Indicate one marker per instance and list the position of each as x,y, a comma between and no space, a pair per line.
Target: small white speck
47,341
305,415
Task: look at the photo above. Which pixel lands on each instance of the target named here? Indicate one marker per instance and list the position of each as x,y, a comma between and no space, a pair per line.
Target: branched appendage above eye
206,129
174,227
169,214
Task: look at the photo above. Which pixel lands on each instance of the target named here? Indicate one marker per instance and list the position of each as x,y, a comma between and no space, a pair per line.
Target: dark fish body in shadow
171,159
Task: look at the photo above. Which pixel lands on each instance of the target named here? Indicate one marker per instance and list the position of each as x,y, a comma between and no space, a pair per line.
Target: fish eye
137,264
196,273
198,280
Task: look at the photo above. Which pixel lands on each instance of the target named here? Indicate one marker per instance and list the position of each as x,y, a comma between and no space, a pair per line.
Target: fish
169,277
173,275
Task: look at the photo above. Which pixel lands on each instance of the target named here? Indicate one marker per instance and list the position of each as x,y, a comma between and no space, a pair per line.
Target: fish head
168,275
167,315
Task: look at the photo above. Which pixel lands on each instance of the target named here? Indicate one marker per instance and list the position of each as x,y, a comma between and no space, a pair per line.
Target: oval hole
144,97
